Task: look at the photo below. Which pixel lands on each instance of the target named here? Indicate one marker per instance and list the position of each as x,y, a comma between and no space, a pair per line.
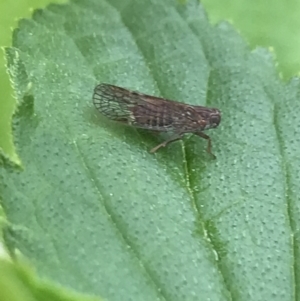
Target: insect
155,114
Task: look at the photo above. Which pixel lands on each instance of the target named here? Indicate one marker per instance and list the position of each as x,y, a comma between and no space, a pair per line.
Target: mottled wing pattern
140,110
114,102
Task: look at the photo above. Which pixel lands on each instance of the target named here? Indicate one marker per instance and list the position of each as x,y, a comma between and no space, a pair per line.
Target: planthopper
155,113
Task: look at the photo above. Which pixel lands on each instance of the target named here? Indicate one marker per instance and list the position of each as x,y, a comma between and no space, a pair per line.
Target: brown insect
155,114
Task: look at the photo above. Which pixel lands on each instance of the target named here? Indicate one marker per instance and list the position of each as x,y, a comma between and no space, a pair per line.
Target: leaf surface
95,212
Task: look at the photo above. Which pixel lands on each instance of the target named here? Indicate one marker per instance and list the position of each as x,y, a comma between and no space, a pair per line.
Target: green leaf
95,212
9,16
18,283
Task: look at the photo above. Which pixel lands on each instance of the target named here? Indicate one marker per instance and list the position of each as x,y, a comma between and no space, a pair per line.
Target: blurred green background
273,24
261,24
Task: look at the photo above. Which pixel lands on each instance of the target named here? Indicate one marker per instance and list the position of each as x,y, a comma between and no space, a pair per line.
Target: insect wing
114,102
148,112
140,110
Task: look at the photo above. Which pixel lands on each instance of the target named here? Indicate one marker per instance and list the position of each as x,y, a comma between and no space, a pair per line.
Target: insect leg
208,149
165,143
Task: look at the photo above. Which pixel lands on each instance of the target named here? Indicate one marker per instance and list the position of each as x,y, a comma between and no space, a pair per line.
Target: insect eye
215,120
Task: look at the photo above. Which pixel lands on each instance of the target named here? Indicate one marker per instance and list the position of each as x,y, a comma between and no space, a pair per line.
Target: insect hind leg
165,143
208,149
